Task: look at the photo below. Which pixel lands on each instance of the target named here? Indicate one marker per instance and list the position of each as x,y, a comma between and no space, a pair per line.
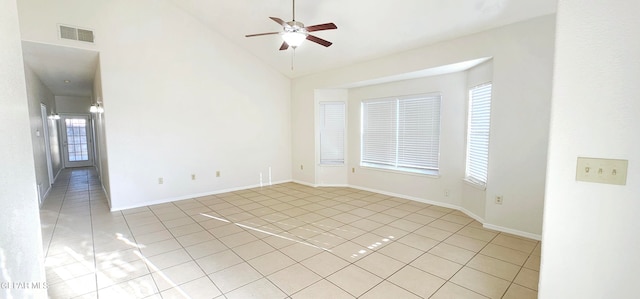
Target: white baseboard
55,177
455,207
512,231
190,196
45,195
106,194
335,185
472,215
306,183
422,200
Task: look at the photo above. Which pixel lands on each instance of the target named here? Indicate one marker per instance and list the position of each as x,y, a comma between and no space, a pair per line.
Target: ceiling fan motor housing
295,26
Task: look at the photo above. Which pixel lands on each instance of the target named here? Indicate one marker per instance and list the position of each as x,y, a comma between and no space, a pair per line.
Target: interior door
76,141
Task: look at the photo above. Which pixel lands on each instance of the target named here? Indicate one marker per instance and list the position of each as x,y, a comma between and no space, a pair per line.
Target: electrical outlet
301,167
160,181
446,193
353,170
218,173
499,199
193,177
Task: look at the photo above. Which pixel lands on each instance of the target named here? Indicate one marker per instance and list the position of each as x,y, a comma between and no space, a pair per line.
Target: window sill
332,165
431,174
475,184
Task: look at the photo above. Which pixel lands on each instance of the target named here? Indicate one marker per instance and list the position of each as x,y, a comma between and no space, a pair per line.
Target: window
402,133
332,119
478,134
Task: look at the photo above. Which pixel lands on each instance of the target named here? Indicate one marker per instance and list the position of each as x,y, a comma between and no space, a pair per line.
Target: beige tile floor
282,241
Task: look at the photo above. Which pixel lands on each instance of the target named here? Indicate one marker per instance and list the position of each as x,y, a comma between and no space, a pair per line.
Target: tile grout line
422,254
248,198
55,225
93,242
465,264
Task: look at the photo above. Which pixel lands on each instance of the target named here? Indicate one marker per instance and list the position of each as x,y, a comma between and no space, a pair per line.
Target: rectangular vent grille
85,35
68,33
78,34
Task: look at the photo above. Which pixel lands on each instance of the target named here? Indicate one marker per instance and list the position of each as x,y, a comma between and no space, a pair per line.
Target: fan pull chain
293,57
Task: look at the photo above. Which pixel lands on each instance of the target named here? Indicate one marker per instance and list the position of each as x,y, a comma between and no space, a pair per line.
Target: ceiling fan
294,33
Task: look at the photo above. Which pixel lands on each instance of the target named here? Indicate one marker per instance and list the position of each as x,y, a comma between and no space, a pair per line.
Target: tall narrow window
402,133
332,120
478,134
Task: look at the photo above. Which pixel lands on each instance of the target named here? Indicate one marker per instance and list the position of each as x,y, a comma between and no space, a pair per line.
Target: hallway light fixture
54,116
95,108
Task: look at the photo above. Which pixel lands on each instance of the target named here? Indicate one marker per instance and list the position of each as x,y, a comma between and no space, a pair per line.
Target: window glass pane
402,133
77,139
379,132
332,120
419,133
478,133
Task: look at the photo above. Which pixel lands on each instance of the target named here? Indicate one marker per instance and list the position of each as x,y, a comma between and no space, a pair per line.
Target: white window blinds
332,123
478,133
402,133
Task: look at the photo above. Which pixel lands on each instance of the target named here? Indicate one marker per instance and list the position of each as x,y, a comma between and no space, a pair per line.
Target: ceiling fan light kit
295,33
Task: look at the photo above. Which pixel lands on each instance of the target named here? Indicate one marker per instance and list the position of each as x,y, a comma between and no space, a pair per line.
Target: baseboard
106,194
422,200
191,196
306,184
455,207
472,215
334,185
55,177
45,195
512,231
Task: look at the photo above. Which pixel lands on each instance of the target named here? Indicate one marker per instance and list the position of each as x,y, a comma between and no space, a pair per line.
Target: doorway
76,141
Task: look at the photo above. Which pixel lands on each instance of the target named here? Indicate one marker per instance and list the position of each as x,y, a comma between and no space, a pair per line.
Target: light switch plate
604,171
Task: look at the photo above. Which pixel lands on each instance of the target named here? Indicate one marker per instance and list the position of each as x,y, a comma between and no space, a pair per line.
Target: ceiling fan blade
319,27
318,40
260,34
279,21
284,46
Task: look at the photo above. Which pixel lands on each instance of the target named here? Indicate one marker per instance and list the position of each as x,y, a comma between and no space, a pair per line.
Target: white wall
590,239
21,258
99,120
73,105
180,100
38,93
522,71
421,187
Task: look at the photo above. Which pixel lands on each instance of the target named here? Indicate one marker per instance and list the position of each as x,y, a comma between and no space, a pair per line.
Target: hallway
282,241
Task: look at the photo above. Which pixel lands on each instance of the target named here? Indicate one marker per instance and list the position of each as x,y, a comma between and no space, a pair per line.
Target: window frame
477,165
434,103
323,130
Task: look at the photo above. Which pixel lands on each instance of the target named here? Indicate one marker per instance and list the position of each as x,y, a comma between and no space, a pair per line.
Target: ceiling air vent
83,35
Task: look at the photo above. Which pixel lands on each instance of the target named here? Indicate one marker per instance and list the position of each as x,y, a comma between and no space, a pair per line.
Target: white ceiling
55,64
366,30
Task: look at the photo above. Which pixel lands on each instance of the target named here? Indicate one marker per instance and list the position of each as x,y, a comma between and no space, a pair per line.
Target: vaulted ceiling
366,30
